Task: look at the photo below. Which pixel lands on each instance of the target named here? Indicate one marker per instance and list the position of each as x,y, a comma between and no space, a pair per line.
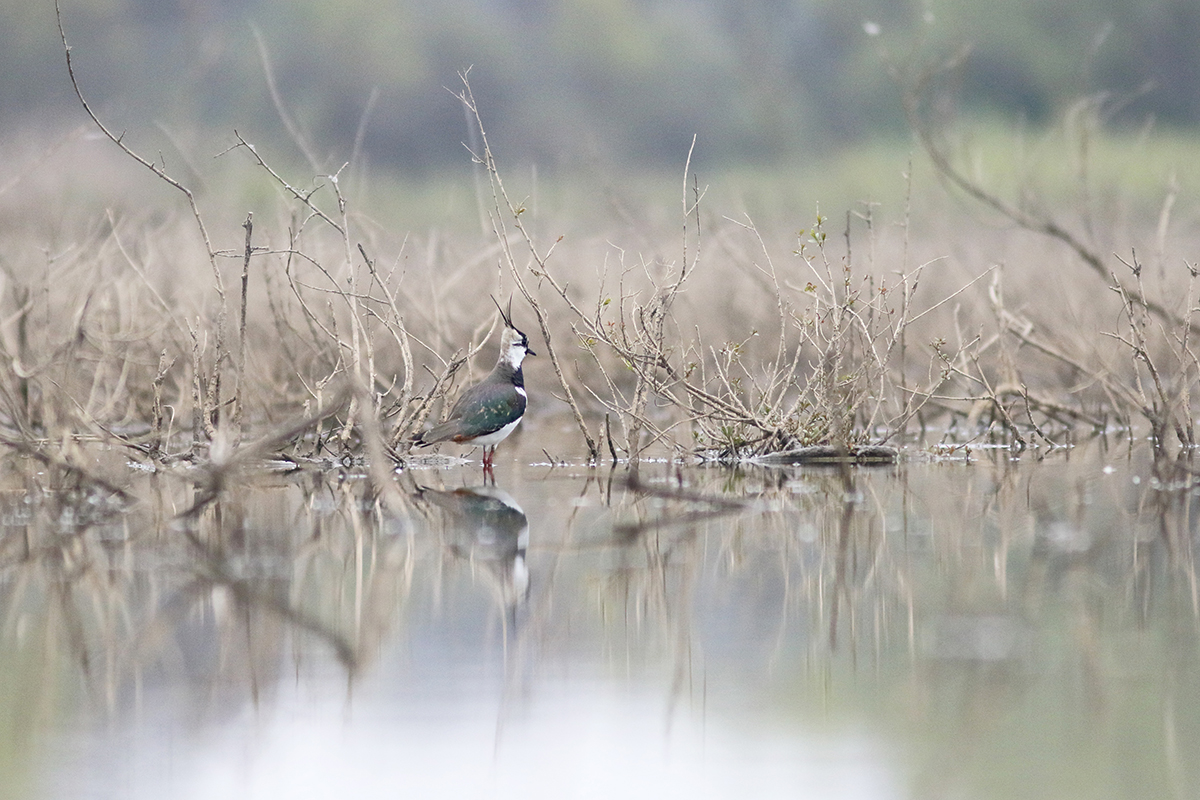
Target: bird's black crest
505,315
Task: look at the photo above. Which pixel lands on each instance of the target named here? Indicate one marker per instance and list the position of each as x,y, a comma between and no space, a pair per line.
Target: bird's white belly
489,439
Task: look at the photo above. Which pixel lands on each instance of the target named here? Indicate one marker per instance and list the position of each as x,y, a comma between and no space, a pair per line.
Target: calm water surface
942,628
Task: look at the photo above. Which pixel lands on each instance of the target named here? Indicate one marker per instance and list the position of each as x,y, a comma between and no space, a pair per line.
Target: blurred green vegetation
601,83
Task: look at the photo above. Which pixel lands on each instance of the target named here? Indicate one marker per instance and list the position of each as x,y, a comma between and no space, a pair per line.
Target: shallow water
987,628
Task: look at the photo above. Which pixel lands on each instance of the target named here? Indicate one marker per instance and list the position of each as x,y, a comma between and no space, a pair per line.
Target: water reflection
485,526
933,629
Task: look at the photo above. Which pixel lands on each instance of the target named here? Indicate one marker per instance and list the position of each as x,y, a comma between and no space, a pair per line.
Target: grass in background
845,301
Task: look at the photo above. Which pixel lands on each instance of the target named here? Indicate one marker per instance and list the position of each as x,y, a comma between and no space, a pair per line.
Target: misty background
617,85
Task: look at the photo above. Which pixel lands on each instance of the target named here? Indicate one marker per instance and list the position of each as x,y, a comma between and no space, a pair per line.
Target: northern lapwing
488,412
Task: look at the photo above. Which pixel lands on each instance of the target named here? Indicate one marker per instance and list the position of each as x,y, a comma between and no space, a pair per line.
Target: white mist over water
571,739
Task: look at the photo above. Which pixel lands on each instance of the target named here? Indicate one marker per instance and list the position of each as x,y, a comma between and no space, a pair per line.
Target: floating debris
831,454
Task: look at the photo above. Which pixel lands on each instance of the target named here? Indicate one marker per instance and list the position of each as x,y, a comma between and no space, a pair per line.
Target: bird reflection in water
485,526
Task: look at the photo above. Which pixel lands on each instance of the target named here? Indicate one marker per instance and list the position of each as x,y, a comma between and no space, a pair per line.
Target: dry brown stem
499,228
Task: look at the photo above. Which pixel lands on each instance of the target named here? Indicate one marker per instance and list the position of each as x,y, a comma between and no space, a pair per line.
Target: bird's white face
513,347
